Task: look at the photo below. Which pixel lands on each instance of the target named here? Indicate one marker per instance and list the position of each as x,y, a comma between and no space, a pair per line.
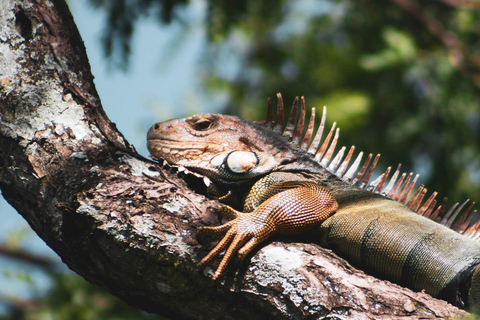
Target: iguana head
223,148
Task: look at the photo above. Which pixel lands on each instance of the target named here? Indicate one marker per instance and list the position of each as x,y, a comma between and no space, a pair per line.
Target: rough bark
127,224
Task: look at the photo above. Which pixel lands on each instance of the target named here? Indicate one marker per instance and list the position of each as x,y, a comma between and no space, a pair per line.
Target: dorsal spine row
397,189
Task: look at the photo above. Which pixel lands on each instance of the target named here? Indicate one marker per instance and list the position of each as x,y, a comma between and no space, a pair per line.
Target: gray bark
127,224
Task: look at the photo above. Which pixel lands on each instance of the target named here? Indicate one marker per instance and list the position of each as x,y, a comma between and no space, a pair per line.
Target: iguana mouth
171,149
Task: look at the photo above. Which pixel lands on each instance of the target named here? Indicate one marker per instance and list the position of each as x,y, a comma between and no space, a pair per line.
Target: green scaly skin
284,191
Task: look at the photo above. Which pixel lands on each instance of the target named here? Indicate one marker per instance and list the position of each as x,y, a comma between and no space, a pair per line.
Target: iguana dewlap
288,183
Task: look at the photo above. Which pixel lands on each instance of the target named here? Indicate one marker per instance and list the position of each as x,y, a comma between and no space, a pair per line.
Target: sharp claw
224,243
232,242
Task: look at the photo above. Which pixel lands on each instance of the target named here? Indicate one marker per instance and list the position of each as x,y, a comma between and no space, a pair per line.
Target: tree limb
459,56
127,224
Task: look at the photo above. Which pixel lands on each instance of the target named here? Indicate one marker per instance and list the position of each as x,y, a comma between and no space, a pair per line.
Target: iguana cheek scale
289,182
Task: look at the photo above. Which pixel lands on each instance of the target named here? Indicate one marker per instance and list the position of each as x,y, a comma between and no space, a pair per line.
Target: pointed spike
331,149
362,170
334,164
278,127
412,200
318,136
345,162
409,190
382,179
473,230
354,167
392,180
308,134
444,219
425,206
369,173
439,213
297,136
269,113
453,216
464,220
430,208
372,186
399,194
418,201
392,193
325,144
292,119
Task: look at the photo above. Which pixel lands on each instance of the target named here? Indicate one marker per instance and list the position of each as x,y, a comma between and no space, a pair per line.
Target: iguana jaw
183,153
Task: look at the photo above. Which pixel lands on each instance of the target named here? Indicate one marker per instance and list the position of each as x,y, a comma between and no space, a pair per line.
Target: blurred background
400,78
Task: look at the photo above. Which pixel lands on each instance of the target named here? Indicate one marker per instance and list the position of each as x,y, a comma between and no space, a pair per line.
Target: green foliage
20,276
400,50
73,298
15,238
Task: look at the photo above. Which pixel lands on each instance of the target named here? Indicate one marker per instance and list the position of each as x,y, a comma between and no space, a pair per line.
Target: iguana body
289,184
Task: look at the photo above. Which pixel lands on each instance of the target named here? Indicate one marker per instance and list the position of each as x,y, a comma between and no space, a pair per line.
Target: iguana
282,181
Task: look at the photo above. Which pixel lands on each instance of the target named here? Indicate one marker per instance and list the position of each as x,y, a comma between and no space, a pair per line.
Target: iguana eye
202,124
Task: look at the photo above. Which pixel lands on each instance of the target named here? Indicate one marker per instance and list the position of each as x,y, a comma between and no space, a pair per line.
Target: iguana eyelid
202,124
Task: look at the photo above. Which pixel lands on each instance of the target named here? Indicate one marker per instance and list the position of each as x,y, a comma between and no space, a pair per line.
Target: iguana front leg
297,209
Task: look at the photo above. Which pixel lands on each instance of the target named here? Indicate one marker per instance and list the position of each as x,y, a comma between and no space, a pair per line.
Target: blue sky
160,82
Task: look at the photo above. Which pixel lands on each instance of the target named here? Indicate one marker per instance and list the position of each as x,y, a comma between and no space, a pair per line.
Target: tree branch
26,257
459,56
127,224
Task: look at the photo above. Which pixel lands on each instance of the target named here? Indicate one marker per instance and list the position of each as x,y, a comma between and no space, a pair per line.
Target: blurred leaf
348,108
400,49
14,238
73,298
24,277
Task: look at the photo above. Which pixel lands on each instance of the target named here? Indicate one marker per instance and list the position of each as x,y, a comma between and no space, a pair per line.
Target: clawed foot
289,212
242,234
